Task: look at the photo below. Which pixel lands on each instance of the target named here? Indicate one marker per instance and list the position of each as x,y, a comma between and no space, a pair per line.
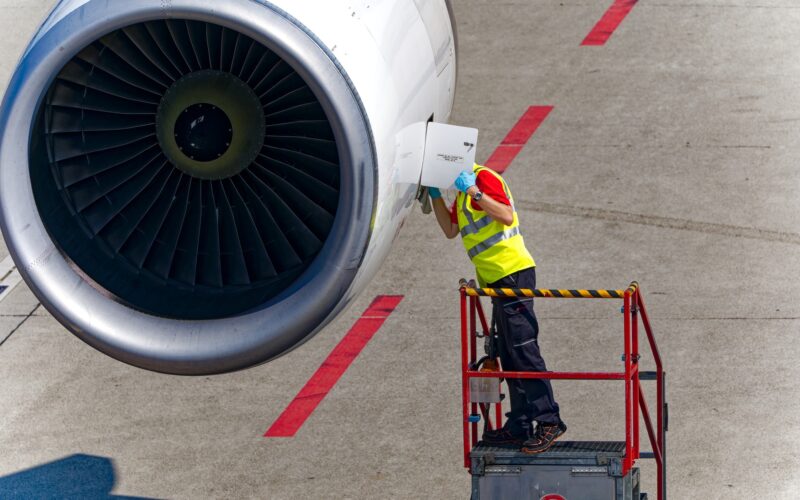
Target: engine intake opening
185,168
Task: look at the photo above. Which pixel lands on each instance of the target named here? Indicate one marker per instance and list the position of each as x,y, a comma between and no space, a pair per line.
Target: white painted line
10,277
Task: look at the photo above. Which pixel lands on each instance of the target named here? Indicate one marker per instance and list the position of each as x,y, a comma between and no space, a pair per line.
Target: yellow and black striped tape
565,294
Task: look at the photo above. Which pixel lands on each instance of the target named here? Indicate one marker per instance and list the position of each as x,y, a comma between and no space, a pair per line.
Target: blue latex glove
465,181
435,193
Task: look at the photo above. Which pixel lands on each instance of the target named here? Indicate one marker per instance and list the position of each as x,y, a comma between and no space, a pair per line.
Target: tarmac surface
670,157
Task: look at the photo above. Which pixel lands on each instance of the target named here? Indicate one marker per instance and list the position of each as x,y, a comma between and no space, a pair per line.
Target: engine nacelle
197,187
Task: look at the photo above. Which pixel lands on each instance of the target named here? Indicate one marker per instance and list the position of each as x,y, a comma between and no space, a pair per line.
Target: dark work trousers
518,332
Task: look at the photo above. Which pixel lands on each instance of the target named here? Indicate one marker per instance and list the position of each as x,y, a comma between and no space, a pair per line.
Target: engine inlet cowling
188,169
186,186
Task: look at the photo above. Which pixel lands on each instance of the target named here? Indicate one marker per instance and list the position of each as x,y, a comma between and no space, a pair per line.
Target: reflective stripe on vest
492,241
473,226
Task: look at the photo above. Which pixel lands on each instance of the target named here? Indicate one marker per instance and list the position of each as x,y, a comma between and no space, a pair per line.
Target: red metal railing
636,409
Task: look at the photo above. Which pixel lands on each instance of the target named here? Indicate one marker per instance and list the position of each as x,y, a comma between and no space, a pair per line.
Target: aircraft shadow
77,476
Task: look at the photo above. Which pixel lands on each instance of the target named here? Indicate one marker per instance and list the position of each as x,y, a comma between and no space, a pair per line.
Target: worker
484,215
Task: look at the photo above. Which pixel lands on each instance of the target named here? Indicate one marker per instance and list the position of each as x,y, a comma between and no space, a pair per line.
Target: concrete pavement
670,157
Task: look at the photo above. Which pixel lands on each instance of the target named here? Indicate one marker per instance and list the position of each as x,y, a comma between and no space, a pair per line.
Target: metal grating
561,449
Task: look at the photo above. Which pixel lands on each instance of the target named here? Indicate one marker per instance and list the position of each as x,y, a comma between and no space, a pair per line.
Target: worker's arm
498,211
443,214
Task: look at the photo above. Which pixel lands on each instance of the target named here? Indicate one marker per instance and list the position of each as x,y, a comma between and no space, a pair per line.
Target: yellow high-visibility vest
495,249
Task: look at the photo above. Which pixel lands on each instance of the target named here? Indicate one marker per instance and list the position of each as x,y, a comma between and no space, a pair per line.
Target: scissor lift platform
586,470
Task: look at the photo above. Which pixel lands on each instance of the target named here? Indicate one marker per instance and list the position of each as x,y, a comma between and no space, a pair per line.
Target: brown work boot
543,438
504,437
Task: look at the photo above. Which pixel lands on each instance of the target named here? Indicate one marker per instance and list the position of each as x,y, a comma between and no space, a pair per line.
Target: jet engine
197,187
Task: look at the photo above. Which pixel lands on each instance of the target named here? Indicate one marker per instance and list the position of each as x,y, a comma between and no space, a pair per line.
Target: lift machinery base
586,470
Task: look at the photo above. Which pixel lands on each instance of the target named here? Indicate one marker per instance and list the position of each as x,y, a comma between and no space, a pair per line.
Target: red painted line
331,370
516,139
605,27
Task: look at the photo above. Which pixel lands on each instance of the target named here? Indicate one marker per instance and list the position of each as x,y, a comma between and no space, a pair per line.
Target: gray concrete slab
20,301
670,157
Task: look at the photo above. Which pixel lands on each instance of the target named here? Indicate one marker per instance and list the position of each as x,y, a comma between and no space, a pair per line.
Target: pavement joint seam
720,6
663,222
732,318
26,318
655,146
676,318
9,277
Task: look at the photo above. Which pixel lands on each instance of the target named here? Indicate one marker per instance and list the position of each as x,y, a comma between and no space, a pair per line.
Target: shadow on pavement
77,476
